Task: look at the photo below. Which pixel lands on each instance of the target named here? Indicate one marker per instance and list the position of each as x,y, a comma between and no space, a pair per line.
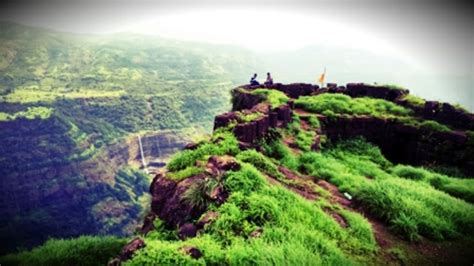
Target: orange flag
321,78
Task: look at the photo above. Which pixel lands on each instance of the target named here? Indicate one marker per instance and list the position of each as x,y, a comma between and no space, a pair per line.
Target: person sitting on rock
269,80
253,80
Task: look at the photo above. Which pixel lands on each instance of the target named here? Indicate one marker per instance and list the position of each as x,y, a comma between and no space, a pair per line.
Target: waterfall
142,155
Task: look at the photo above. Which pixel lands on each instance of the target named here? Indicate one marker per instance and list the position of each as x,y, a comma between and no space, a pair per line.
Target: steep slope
287,179
71,107
284,203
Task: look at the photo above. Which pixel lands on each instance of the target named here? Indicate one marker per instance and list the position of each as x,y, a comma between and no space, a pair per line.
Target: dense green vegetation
411,207
294,230
274,97
331,104
84,250
31,113
462,188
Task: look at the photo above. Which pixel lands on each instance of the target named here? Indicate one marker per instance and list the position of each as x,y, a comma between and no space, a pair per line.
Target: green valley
70,109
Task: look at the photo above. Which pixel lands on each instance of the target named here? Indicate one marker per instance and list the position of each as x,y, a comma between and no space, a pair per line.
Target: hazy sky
437,35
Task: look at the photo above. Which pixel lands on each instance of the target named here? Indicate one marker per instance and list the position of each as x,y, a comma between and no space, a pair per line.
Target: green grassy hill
296,195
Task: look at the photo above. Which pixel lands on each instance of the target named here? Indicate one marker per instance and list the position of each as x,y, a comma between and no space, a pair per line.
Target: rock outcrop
171,205
399,142
403,143
250,132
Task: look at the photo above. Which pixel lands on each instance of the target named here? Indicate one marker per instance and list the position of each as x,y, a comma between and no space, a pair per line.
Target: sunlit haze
432,41
263,30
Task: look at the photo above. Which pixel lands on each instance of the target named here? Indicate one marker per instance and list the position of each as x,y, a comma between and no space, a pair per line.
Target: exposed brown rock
242,99
224,163
187,230
191,146
263,125
246,132
194,252
257,232
207,218
167,196
167,200
374,91
295,90
316,143
224,119
447,114
130,249
337,217
273,119
402,143
245,146
148,223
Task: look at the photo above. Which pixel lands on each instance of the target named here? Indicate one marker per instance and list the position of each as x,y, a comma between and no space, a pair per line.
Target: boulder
295,90
131,248
191,146
273,119
284,114
187,230
167,200
263,124
243,99
223,163
207,218
224,119
148,223
194,252
374,91
246,132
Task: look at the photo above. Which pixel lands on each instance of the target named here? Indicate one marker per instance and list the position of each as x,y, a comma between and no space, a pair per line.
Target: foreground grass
266,224
293,230
462,188
412,208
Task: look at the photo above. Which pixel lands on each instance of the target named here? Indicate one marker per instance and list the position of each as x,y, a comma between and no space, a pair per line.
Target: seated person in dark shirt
253,80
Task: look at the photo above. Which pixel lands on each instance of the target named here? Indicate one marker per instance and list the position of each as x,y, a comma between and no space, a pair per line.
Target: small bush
261,162
198,194
246,180
331,104
226,144
433,125
274,97
277,150
249,117
261,209
414,100
185,173
305,139
314,121
410,172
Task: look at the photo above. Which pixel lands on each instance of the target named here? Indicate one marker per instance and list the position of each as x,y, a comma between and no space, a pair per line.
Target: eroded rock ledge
401,143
